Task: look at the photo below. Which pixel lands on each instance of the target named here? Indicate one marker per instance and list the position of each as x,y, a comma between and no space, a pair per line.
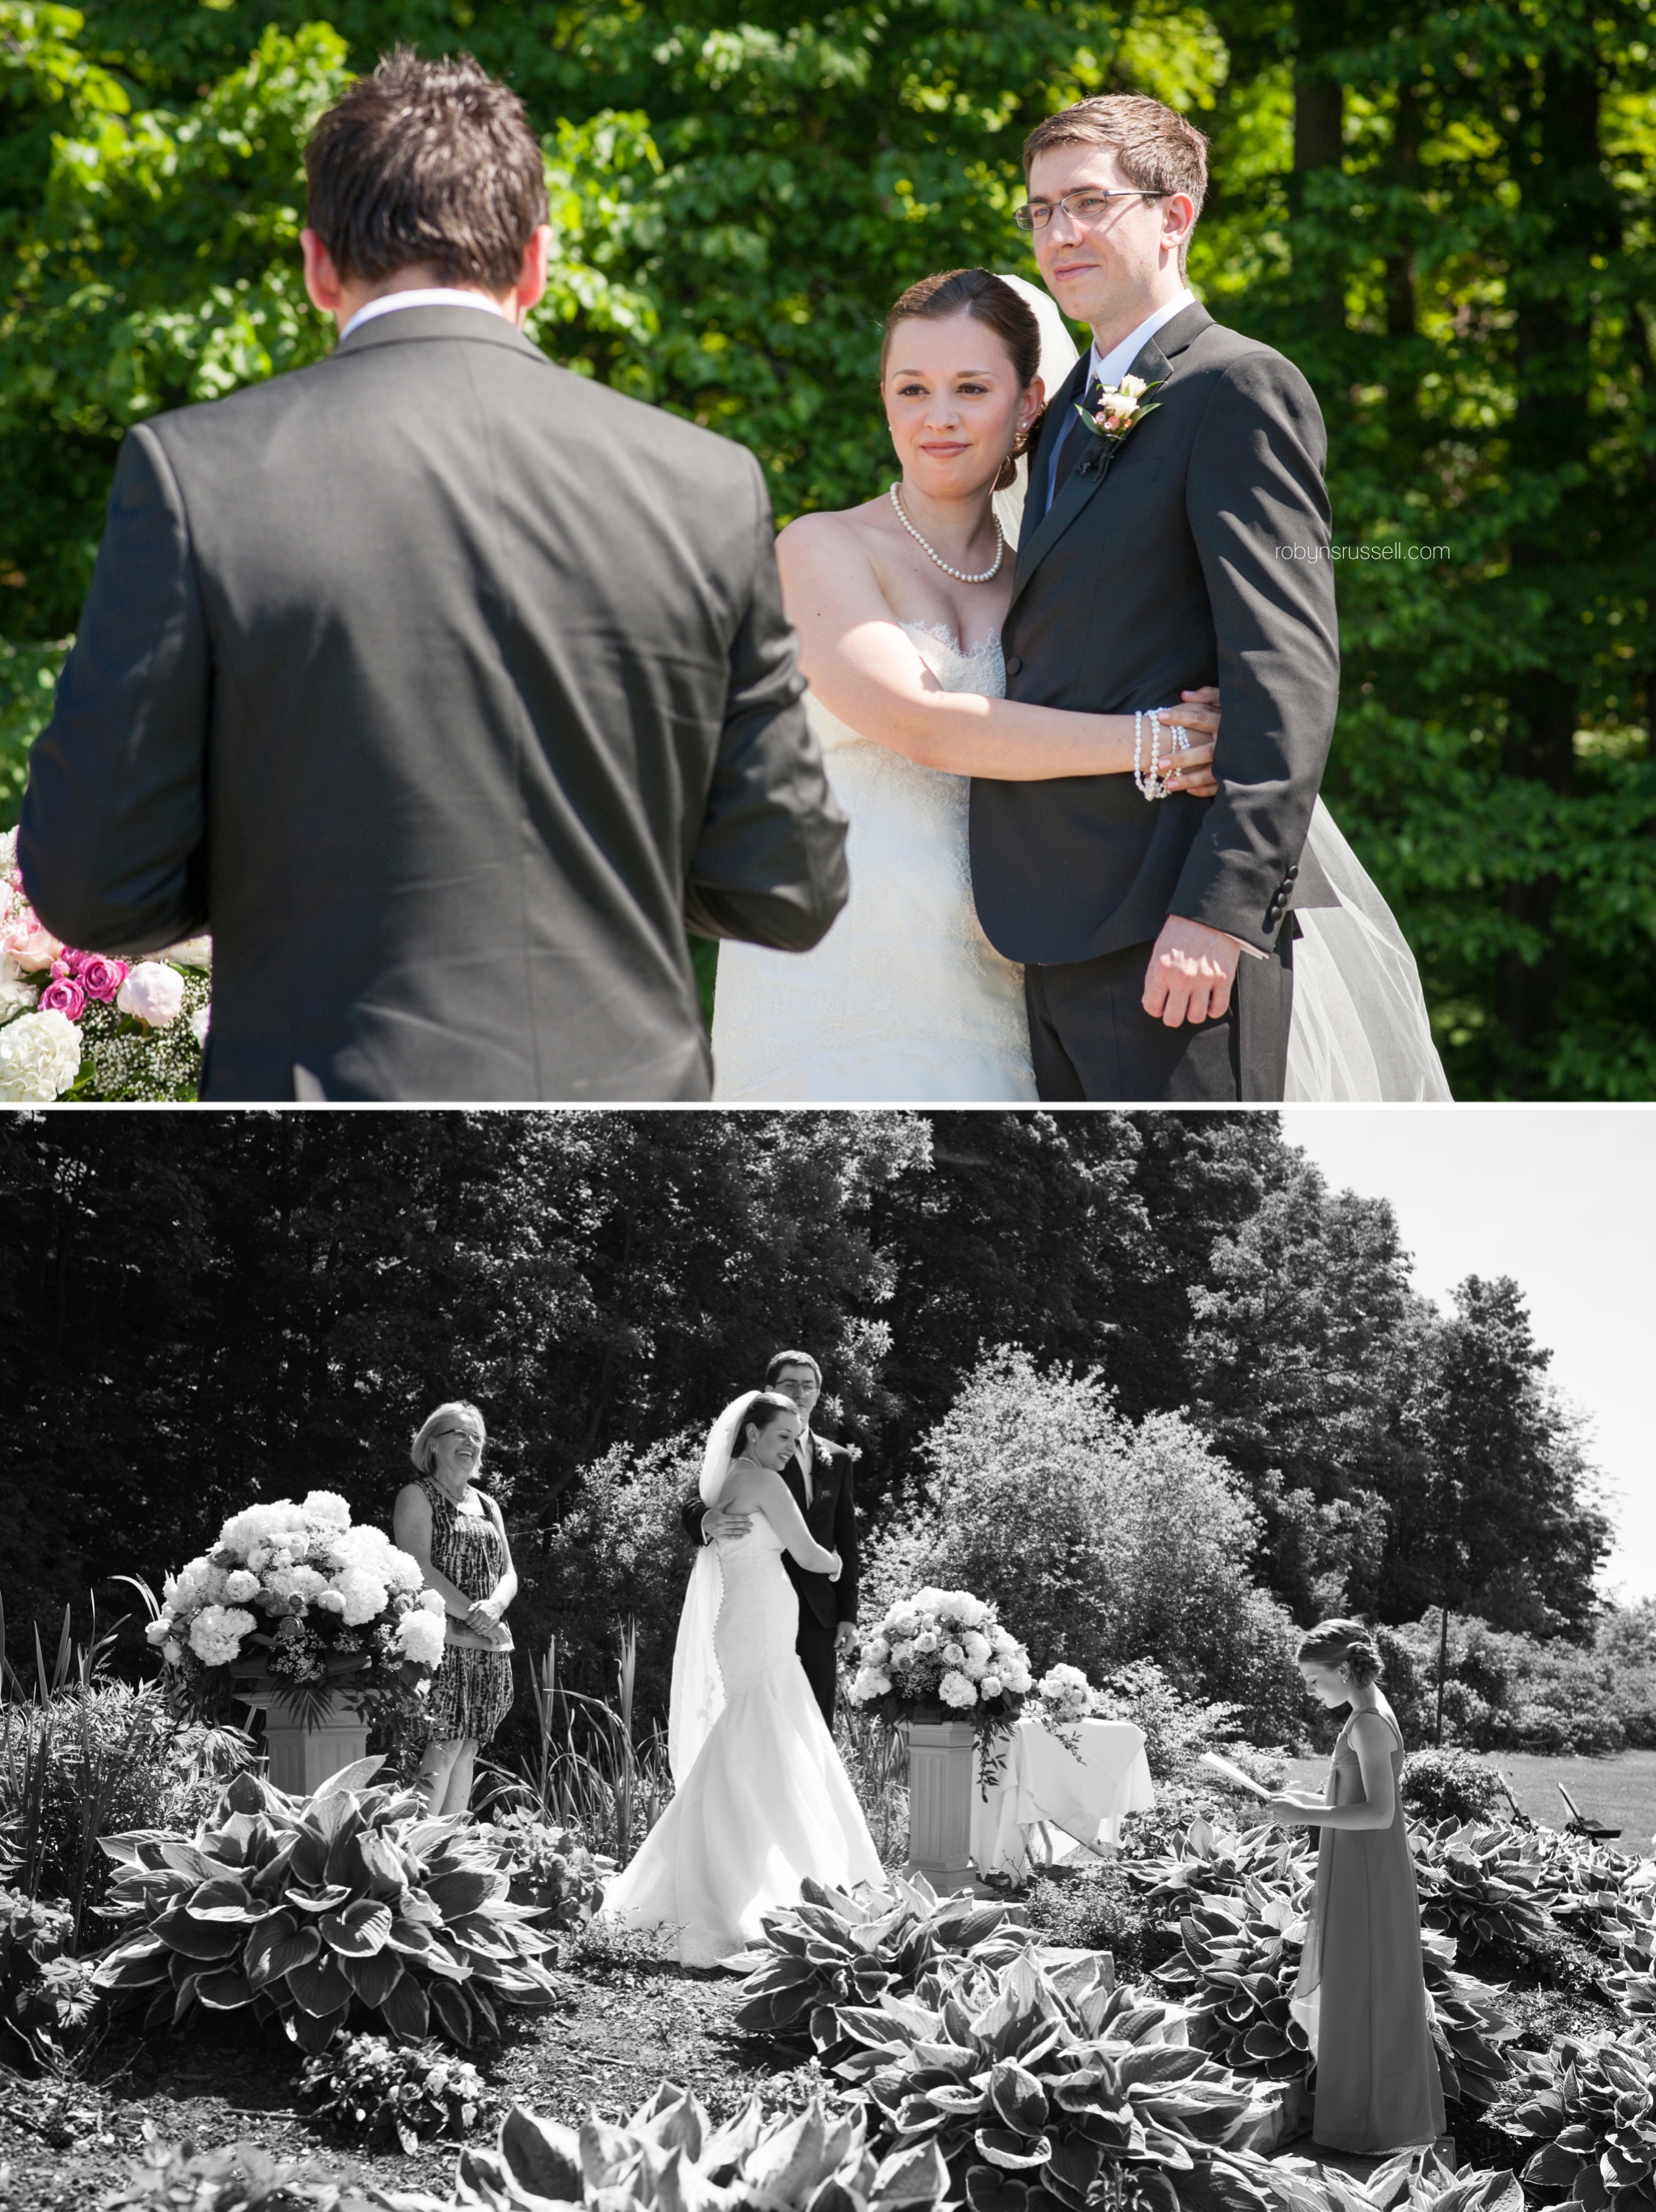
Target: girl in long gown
1362,1994
761,1797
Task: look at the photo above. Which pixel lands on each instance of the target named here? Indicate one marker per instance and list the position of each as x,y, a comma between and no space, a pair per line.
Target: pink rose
28,940
63,995
98,976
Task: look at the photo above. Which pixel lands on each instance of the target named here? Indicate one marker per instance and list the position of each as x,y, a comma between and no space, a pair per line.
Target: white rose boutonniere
1108,413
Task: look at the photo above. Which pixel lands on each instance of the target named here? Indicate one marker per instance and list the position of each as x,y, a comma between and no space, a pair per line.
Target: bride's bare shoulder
829,537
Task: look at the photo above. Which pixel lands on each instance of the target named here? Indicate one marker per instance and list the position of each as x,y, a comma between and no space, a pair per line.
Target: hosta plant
410,2092
1037,2085
1591,2113
242,2177
1206,1862
1485,1886
351,1906
1601,1895
669,2155
45,1994
837,1948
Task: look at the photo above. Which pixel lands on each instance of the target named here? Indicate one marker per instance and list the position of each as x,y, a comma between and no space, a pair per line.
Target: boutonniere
1108,414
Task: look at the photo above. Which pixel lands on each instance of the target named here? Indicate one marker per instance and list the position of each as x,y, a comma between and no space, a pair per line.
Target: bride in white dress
761,1797
900,604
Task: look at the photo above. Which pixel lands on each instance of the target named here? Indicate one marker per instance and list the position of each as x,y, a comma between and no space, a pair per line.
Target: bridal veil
697,1685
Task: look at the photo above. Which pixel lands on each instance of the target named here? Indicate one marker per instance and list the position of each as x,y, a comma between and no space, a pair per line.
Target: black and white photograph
920,1654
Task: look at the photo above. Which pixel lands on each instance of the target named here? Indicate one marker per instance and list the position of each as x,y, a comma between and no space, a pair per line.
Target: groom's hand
845,1639
1191,973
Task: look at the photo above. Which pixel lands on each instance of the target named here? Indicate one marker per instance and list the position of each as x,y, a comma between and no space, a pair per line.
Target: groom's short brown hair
1156,148
426,162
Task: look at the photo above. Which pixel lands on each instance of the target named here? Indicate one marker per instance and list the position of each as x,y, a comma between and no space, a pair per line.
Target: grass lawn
1621,1790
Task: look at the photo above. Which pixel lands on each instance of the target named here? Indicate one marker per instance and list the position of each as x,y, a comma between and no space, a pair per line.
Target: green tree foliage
1441,214
199,1311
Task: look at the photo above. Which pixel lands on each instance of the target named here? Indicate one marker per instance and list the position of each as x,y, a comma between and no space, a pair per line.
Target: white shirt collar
430,296
1110,368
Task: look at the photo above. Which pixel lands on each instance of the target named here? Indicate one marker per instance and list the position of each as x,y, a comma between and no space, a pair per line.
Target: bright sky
1562,1199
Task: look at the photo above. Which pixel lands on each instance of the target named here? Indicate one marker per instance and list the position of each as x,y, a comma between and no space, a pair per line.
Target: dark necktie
1074,446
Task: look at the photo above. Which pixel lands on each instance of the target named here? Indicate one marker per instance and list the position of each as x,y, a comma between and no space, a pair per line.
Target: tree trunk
1443,1667
1318,142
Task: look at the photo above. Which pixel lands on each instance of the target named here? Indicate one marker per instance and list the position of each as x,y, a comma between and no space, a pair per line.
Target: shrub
835,1948
551,1868
311,1911
1028,2080
242,2177
1450,1785
373,2087
91,1759
1592,2114
1096,1908
1098,1539
44,1992
669,2155
1484,1886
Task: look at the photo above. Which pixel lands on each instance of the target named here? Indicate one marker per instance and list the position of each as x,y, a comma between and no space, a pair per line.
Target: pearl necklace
958,574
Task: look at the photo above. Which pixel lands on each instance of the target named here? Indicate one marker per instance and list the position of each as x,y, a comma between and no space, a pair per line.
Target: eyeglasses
437,1435
1083,208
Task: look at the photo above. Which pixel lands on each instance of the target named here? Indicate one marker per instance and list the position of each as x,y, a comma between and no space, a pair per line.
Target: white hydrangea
40,1058
991,1685
1065,1685
259,1524
875,1649
955,1690
431,1601
1017,1678
327,1507
979,1649
17,991
217,1632
870,1683
240,1586
1002,1639
420,1636
304,1583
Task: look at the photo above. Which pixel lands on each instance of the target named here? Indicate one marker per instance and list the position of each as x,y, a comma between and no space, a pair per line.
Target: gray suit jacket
444,686
1198,556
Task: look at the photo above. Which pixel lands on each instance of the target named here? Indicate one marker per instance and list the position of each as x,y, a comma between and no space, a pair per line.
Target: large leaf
461,1892
988,2191
227,1898
373,1978
312,2034
223,1991
1018,2097
1003,2148
451,2012
137,1966
360,1930
319,1986
542,2156
198,1939
405,2010
356,1776
277,1945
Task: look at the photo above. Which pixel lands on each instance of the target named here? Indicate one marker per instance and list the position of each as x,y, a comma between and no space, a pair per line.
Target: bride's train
766,1800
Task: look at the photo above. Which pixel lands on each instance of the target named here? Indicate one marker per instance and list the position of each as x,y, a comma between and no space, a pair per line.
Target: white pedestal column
300,1758
940,1803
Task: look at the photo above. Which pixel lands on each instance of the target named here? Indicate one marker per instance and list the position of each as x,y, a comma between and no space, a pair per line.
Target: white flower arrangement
1066,1698
945,1651
300,1594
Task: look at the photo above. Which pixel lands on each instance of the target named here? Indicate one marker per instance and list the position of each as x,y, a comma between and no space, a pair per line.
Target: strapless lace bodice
905,998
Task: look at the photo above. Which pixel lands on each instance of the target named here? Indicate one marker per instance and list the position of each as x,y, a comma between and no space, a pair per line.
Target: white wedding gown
905,998
767,1800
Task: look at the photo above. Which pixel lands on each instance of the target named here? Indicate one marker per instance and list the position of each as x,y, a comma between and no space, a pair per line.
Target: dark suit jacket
444,686
1198,556
831,1518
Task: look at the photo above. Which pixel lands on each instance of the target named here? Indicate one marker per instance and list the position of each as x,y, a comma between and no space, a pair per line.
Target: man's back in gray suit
443,685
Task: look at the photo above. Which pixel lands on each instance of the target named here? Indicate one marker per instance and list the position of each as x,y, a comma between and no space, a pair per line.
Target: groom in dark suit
444,686
1157,933
821,1477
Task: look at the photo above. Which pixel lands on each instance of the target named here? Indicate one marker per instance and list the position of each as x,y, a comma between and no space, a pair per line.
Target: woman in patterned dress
454,1529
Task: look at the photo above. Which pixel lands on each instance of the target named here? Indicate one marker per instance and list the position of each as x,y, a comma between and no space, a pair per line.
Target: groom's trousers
1092,1039
815,1646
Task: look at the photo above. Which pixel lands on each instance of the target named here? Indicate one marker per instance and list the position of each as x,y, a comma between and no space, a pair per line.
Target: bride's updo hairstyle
1343,1643
763,1411
983,295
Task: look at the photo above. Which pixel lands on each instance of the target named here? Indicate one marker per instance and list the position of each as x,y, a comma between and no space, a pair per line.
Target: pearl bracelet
1152,784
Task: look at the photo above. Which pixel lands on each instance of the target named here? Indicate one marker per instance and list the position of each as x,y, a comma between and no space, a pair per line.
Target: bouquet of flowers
85,1025
294,1601
1063,1699
943,1655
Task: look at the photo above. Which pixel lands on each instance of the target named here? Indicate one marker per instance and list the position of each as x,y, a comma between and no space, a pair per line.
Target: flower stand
940,1804
301,1755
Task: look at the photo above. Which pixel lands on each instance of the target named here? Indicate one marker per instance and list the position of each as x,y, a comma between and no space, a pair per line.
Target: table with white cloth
1042,1783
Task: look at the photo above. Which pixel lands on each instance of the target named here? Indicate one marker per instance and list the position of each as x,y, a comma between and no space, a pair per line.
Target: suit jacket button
1015,664
1292,873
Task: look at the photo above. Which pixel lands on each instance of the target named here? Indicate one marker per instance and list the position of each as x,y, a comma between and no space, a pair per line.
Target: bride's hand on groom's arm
1198,717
